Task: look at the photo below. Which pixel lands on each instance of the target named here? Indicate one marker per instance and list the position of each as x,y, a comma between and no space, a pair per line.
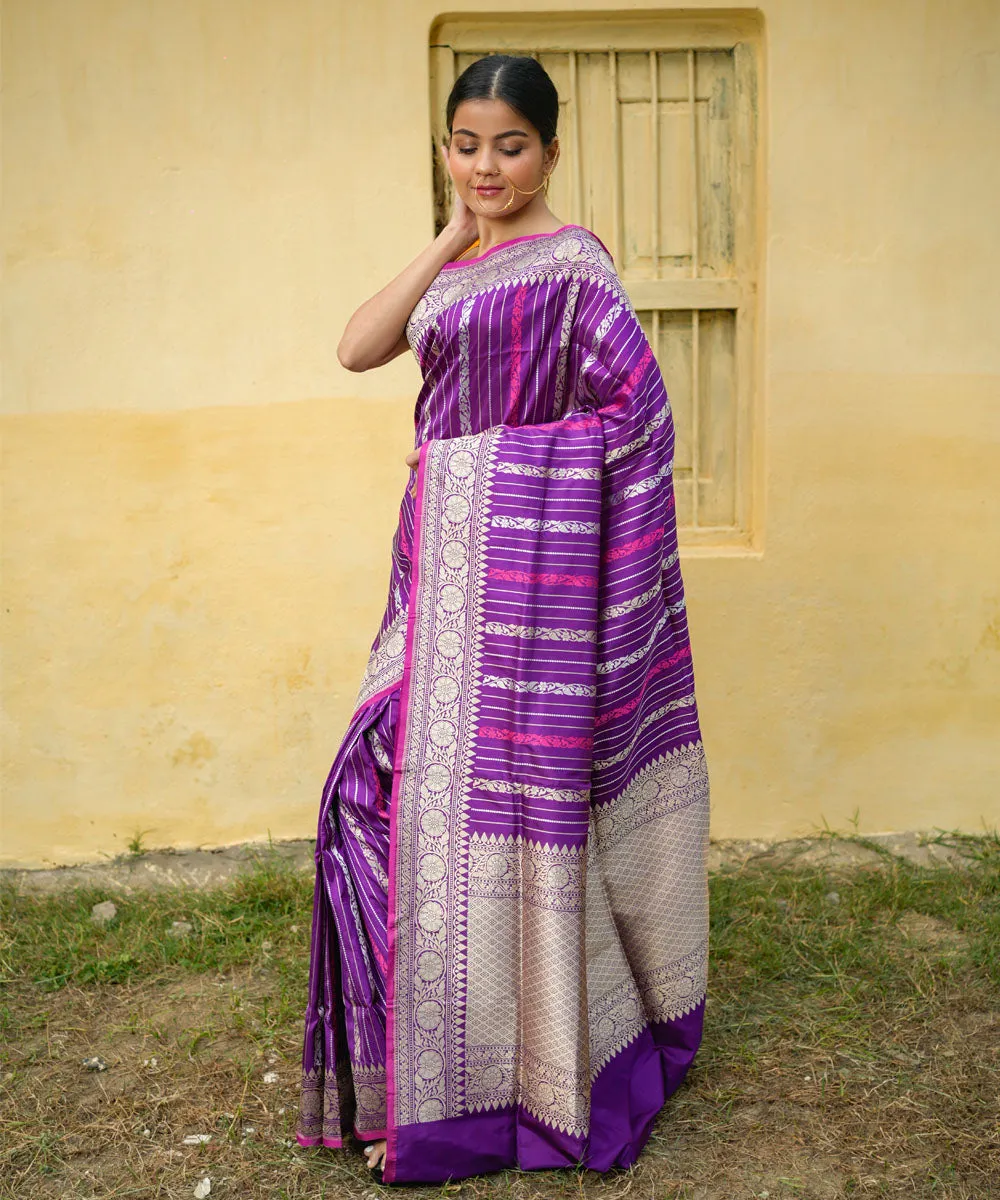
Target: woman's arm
374,335
395,352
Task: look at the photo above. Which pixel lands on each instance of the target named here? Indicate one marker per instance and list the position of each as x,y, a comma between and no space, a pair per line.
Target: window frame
611,33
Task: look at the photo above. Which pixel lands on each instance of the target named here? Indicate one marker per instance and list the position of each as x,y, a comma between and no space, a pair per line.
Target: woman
510,918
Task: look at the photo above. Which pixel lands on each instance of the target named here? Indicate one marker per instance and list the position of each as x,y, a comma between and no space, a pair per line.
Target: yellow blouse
467,250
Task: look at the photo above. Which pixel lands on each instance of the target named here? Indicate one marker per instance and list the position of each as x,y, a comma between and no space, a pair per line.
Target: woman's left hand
412,459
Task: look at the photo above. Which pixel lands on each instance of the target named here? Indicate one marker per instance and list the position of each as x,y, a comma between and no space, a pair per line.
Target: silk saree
509,941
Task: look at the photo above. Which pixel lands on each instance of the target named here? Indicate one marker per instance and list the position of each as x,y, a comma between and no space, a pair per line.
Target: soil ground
852,1043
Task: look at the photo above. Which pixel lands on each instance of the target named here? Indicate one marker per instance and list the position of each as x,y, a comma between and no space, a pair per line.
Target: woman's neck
533,218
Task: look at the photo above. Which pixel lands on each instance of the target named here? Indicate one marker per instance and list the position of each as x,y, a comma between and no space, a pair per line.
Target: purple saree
510,922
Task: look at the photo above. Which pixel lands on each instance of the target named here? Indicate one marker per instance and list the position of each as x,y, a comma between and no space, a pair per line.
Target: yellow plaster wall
198,500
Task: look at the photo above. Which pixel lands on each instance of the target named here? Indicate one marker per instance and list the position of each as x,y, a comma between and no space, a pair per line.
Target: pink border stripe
639,543
663,665
375,696
464,262
636,375
517,321
391,1134
330,1143
512,576
533,739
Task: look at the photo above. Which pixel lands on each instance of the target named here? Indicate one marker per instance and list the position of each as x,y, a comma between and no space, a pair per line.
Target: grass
852,1044
136,845
248,923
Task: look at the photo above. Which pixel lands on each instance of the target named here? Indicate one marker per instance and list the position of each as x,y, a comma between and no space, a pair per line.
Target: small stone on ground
103,913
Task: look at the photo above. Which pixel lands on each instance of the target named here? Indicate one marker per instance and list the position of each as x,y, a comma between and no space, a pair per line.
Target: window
658,135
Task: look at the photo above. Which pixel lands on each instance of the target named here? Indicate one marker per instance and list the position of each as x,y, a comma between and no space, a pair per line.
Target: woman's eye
472,150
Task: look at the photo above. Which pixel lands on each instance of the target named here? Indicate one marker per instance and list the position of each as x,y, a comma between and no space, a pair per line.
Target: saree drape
510,923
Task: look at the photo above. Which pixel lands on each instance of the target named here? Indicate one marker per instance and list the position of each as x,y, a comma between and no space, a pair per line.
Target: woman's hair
517,80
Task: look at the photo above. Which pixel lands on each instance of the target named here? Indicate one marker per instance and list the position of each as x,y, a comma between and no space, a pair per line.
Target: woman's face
489,141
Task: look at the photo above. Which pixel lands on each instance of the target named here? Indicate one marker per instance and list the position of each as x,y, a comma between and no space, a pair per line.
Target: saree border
399,757
385,662
573,252
432,757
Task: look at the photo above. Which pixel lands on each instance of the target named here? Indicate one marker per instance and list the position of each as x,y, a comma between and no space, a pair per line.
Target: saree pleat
510,918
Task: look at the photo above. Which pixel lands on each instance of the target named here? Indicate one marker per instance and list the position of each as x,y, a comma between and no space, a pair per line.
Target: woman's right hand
463,219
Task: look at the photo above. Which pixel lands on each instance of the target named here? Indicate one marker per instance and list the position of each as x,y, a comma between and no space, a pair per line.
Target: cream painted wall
198,499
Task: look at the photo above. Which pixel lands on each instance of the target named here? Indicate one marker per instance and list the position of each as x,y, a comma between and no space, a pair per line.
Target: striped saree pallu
510,925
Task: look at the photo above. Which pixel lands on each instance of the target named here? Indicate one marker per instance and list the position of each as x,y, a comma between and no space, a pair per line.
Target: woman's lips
488,191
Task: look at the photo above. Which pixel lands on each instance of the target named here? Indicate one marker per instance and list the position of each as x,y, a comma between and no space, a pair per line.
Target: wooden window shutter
659,157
